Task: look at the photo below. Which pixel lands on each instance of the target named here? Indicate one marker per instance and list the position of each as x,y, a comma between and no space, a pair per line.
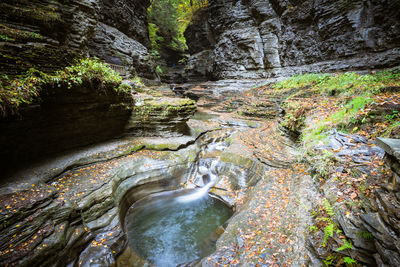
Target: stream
178,227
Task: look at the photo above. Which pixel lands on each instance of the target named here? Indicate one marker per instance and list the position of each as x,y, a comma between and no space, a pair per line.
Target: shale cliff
263,38
48,34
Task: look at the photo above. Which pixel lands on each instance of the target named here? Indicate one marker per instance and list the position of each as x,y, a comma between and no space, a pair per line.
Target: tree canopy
168,20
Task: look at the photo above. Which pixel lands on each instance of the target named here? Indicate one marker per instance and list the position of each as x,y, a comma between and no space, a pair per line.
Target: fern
329,260
328,232
349,261
346,245
328,208
366,235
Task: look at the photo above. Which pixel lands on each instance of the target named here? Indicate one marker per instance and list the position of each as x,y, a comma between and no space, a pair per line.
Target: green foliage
343,117
44,13
85,70
394,126
312,228
329,260
294,117
159,70
347,83
393,116
169,20
126,88
300,80
25,89
328,208
137,85
8,34
346,245
366,235
14,92
155,39
349,261
329,230
349,110
3,37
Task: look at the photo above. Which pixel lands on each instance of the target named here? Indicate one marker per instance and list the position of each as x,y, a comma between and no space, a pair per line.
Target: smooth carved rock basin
176,227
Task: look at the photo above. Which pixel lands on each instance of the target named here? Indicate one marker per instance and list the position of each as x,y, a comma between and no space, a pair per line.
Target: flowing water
170,230
176,227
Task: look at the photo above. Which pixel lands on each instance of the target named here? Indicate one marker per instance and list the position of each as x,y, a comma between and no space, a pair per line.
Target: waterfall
205,172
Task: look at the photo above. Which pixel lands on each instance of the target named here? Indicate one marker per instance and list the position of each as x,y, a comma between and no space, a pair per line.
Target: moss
160,147
133,149
11,35
236,159
165,107
44,13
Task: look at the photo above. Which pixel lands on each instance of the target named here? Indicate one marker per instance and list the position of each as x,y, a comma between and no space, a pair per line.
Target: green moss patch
8,34
39,13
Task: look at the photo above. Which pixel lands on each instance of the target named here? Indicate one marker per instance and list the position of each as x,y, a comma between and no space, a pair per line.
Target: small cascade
209,178
205,172
170,228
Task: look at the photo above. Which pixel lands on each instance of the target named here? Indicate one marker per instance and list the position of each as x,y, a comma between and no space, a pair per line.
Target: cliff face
261,38
47,34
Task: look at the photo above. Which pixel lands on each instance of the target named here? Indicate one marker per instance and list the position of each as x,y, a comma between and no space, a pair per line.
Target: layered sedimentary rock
47,35
261,38
69,118
66,119
160,116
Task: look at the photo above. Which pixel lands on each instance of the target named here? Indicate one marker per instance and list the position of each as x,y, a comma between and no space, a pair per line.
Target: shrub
26,88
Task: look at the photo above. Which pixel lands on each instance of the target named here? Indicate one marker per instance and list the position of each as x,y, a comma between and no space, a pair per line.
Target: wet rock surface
255,39
74,218
75,212
69,118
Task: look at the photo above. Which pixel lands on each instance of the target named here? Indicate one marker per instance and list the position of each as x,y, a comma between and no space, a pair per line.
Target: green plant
300,80
393,116
26,88
342,118
329,260
328,208
312,228
348,83
169,20
394,126
294,117
349,261
3,37
123,87
366,235
45,13
159,70
346,245
329,230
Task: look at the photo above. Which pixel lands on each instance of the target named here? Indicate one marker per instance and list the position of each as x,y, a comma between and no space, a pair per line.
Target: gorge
272,140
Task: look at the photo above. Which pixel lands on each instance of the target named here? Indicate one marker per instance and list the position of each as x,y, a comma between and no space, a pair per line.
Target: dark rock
117,48
262,38
388,144
199,33
57,32
66,119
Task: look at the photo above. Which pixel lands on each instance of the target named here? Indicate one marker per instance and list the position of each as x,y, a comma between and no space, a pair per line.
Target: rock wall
66,119
263,38
48,34
70,118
